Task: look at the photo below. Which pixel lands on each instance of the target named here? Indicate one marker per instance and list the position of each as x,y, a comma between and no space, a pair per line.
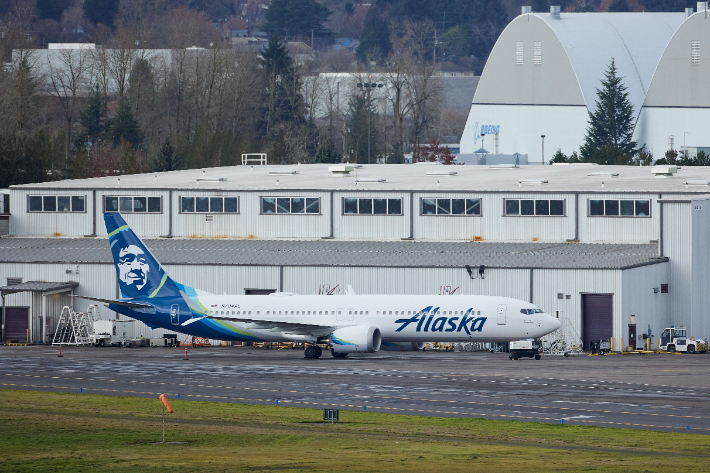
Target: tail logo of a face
133,267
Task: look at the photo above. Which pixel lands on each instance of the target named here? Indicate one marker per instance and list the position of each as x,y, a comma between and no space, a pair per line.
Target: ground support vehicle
524,348
600,347
674,339
111,332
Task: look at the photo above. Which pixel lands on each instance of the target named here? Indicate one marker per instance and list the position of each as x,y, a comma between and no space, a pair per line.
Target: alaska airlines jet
346,323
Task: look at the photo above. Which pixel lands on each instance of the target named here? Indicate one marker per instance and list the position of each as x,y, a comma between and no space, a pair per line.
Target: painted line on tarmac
381,397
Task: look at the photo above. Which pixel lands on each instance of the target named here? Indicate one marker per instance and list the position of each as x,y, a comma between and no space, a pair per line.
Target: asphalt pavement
655,392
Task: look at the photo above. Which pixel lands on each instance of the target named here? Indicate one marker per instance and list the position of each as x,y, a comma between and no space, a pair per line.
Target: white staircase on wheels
73,328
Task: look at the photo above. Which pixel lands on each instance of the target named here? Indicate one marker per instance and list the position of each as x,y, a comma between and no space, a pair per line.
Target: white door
501,314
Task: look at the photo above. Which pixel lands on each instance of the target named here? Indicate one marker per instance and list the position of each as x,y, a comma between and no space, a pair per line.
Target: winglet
350,291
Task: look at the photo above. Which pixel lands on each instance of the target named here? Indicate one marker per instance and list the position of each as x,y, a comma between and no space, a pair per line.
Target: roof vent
555,11
211,179
504,166
441,173
603,174
702,6
525,9
371,179
531,182
689,12
664,171
341,170
695,182
283,173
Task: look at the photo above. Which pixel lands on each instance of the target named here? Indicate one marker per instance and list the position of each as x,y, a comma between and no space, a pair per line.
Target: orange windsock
164,399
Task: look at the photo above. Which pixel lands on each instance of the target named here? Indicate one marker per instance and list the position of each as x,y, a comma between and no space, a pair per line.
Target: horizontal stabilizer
123,302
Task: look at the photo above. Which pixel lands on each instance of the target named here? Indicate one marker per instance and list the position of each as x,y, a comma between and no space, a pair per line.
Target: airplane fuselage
406,318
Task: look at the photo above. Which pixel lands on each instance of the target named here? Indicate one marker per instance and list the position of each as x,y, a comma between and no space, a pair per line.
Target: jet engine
356,339
402,346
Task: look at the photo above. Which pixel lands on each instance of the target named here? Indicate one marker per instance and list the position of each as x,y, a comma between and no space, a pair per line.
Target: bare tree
422,89
69,73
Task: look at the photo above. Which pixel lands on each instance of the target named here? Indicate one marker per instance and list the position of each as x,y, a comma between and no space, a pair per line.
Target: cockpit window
530,311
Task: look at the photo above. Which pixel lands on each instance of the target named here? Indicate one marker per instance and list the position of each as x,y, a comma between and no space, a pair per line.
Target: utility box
112,332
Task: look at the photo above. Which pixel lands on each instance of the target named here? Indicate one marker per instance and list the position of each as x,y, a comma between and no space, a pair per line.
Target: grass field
84,432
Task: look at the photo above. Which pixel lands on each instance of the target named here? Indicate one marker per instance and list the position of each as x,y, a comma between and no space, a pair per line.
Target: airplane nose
555,323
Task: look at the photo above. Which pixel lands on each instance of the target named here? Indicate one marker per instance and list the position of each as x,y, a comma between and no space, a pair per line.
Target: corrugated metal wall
66,224
250,223
370,227
364,280
492,225
98,280
699,317
618,229
548,283
678,246
638,299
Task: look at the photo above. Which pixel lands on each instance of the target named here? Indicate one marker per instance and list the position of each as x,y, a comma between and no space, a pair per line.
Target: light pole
543,149
368,86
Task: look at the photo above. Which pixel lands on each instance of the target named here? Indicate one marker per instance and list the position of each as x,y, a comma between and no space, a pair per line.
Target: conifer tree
608,139
167,159
93,117
125,126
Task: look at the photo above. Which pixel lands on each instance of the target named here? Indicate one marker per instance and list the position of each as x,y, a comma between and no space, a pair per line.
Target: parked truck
675,339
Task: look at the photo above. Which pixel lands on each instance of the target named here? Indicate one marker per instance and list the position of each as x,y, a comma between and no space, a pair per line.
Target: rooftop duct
689,12
526,9
702,6
555,11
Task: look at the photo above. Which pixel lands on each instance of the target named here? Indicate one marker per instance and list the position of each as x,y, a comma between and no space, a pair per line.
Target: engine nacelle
356,339
402,346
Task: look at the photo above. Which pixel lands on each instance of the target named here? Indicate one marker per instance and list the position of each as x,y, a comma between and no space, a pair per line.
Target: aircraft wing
123,302
274,325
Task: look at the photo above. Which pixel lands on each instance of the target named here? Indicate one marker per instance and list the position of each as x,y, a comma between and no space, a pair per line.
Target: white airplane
346,323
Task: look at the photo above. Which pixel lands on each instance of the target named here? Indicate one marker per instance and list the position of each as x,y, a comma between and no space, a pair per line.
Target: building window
356,206
290,205
132,204
518,53
209,205
538,207
451,207
695,52
56,203
619,208
537,53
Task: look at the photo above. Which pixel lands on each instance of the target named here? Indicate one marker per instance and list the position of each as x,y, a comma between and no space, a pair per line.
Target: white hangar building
607,249
543,73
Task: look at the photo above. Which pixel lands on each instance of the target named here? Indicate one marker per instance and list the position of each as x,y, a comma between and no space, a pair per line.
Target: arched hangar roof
540,59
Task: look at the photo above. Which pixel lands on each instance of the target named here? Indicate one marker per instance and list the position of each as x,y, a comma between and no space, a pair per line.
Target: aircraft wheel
309,352
319,351
537,357
691,349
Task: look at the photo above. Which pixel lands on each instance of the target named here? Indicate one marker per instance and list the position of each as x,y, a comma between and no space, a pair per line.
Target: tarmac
654,392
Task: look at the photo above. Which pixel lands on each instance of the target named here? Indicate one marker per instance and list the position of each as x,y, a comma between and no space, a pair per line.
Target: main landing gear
312,351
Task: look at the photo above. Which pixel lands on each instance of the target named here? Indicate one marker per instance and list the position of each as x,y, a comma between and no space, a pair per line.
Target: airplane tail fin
140,275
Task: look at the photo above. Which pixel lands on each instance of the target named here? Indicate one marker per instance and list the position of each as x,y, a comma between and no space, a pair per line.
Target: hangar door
16,324
597,317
